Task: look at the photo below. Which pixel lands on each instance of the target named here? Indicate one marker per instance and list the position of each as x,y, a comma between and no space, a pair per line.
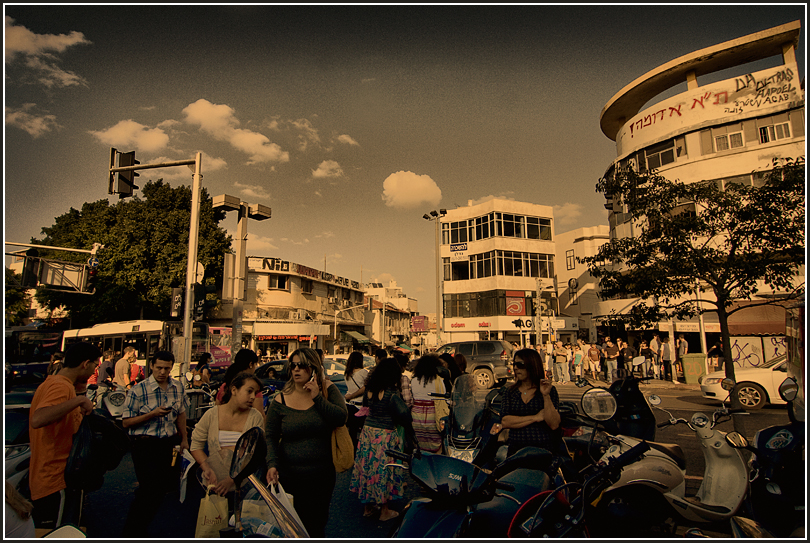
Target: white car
755,386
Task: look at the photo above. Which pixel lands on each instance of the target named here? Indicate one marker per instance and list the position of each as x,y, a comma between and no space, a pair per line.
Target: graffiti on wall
751,91
753,352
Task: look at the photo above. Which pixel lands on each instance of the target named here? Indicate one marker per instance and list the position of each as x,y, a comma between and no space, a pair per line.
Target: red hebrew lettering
717,97
678,110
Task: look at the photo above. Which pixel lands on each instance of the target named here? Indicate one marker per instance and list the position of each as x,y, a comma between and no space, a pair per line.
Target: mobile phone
313,376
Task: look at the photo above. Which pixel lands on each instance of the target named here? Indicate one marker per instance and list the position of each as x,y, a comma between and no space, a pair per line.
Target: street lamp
436,217
257,212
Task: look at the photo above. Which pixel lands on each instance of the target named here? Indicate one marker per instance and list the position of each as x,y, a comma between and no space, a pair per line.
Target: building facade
496,257
399,309
289,305
724,132
577,289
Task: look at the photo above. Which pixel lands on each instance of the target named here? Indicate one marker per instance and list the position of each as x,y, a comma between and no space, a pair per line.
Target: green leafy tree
17,299
738,243
144,256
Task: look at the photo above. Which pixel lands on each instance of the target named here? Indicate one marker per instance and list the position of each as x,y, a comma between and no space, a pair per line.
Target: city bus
147,336
28,351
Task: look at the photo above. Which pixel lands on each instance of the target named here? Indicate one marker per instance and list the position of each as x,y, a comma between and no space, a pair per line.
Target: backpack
98,447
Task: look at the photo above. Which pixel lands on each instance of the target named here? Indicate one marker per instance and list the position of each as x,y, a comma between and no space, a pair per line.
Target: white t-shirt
422,391
355,382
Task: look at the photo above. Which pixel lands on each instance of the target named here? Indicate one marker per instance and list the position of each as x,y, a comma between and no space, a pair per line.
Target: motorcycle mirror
189,376
736,440
788,390
654,399
67,532
248,455
728,384
599,404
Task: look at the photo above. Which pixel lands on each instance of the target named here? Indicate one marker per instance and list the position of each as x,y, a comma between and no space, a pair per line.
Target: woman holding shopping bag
300,423
215,435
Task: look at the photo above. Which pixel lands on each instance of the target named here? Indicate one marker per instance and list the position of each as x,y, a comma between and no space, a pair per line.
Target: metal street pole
191,268
439,286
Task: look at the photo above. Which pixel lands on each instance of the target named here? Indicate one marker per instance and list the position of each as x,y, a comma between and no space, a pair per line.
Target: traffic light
177,302
199,301
30,275
126,180
92,279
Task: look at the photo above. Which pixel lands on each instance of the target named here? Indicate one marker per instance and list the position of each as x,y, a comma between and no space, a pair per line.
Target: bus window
114,344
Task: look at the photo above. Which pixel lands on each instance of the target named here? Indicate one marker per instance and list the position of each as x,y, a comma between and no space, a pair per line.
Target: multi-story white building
577,289
724,132
288,305
496,256
399,309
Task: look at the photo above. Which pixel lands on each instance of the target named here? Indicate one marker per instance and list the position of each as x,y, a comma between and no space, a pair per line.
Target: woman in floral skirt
374,484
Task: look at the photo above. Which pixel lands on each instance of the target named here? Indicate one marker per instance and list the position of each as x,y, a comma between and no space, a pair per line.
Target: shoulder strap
283,401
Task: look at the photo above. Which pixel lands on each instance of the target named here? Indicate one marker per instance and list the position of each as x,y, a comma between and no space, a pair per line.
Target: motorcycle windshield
468,402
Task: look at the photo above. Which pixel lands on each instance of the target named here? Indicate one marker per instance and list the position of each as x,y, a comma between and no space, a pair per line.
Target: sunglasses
519,365
299,365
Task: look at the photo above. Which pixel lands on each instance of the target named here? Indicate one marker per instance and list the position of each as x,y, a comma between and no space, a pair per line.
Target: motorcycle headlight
700,420
117,398
464,455
780,440
13,451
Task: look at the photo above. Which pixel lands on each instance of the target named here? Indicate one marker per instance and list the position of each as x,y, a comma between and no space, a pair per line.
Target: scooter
107,399
776,497
725,479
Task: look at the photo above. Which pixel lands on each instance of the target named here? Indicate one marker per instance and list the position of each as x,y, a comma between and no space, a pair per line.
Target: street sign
200,272
92,262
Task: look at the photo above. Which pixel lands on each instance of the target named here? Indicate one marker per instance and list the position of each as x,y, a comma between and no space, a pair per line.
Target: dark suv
489,361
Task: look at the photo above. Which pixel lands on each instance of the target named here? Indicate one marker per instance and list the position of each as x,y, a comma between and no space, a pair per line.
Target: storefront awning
405,348
360,338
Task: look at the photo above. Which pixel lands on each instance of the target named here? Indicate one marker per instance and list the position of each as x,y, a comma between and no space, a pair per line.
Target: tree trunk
738,418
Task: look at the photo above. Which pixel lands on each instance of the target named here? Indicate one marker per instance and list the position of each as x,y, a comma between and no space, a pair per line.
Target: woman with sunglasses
300,422
530,406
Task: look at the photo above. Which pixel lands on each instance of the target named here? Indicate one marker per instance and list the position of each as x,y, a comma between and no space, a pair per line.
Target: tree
145,252
737,243
17,299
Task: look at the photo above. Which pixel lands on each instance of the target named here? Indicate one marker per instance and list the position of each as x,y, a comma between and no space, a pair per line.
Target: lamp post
257,212
436,217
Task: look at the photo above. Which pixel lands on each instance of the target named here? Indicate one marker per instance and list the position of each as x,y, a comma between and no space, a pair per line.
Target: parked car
755,386
489,361
368,361
334,372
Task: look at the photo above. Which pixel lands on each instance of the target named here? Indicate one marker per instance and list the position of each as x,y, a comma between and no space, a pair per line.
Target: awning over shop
404,348
360,338
757,321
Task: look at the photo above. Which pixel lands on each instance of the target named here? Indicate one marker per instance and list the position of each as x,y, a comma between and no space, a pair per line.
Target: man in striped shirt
155,415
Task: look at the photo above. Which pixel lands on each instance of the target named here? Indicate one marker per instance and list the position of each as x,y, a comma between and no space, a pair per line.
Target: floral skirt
424,425
371,480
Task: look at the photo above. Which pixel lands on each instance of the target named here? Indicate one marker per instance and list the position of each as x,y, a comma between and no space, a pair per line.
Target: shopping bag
286,501
440,406
213,515
342,449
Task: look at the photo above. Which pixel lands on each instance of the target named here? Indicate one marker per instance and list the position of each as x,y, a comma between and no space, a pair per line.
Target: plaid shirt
147,396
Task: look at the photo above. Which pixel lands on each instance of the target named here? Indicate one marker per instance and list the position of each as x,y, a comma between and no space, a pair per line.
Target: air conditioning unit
332,300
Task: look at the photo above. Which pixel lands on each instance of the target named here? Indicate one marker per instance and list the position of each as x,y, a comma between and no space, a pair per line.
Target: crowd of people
389,406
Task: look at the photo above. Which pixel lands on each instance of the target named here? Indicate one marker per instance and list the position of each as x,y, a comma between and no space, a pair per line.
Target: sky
350,122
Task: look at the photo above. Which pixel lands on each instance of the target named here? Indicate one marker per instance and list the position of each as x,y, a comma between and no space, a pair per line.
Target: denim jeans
562,371
612,366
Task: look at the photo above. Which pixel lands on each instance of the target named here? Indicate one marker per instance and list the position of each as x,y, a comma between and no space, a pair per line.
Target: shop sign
458,252
283,338
515,306
458,325
687,327
484,324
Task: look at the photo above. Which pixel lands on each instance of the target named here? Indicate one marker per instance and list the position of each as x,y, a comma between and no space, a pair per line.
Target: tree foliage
144,256
738,242
17,299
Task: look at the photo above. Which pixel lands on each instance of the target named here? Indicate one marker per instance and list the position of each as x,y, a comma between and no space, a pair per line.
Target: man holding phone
155,415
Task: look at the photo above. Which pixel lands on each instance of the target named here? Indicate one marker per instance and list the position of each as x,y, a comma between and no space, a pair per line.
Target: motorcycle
467,433
108,399
775,501
201,398
463,499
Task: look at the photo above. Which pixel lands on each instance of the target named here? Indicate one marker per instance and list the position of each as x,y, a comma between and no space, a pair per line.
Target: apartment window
660,154
482,227
728,141
570,263
458,232
537,228
774,132
306,286
513,225
482,265
277,282
446,268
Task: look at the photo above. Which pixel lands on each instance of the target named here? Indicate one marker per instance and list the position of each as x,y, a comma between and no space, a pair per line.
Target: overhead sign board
458,252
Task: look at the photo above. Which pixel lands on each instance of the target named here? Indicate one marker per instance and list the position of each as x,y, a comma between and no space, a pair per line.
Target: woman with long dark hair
300,422
375,484
427,379
529,408
355,377
245,360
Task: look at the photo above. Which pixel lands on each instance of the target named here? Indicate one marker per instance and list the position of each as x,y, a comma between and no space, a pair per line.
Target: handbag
342,447
440,407
212,516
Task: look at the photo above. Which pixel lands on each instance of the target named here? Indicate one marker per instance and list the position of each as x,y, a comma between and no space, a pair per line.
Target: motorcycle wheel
632,511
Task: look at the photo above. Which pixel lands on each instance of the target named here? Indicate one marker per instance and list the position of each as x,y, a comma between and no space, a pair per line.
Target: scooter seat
673,451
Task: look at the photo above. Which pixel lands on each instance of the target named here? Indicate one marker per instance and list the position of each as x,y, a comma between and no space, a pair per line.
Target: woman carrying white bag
216,434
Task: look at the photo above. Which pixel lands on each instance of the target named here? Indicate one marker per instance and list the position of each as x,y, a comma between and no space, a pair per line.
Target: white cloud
288,240
33,123
327,234
252,191
344,138
128,134
503,196
220,122
567,213
328,168
384,278
259,243
39,51
309,133
407,190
